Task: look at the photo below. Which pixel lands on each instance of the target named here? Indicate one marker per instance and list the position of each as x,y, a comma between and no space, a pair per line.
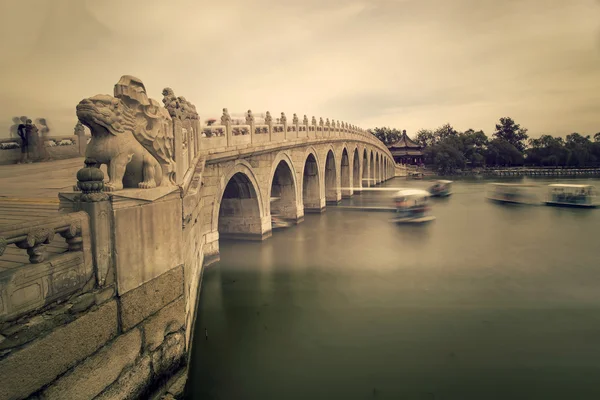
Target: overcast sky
408,64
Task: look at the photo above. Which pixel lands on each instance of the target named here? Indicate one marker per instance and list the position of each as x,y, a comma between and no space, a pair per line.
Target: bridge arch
356,169
365,173
331,178
372,169
377,177
238,210
345,173
283,186
385,171
311,182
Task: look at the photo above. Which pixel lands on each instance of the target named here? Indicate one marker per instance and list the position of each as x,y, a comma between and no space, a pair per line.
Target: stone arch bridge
128,254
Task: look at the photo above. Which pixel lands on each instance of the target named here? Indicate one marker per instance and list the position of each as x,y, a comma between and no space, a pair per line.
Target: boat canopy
444,182
570,186
413,193
510,184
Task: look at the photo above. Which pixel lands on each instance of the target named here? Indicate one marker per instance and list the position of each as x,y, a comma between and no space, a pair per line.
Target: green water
486,302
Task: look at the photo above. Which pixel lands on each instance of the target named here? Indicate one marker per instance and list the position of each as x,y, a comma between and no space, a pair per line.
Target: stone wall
98,344
123,335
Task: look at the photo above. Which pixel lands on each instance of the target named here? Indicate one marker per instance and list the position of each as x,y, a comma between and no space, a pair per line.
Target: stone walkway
29,192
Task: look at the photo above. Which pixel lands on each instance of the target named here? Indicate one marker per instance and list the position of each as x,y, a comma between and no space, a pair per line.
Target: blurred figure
22,132
29,141
40,150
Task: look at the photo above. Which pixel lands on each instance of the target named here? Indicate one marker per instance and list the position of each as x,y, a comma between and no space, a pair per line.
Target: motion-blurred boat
412,206
512,193
562,195
441,189
415,175
278,223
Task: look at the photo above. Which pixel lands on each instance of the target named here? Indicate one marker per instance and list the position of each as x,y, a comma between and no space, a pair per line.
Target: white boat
564,195
512,193
441,188
412,207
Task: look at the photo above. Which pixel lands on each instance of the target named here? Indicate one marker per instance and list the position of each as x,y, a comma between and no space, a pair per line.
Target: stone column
96,204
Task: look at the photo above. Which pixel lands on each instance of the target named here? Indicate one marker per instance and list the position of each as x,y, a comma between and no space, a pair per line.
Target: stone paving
38,180
29,192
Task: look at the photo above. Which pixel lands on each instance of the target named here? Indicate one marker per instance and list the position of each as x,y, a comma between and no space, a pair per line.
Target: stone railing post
328,127
305,123
250,121
178,137
269,122
226,122
322,125
296,125
283,120
93,200
314,125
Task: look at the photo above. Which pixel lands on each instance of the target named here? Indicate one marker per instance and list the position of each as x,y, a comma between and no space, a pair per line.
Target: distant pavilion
406,151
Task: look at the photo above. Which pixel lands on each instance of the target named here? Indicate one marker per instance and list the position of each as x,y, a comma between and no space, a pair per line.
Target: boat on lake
441,189
415,175
412,206
511,193
569,195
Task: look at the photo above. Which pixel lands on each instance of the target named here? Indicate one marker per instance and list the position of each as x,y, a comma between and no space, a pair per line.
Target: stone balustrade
55,148
52,270
227,136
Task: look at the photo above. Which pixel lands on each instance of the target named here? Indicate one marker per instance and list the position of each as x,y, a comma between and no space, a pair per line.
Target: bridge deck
29,192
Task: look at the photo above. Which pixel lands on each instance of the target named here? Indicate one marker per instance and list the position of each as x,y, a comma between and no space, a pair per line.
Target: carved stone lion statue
131,134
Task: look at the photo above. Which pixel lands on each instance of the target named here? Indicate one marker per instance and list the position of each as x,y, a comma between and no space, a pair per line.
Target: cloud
406,63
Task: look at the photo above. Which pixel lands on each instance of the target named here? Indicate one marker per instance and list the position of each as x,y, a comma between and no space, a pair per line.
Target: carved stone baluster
73,237
35,243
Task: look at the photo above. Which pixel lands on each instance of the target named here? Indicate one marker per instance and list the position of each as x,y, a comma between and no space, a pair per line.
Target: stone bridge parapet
174,188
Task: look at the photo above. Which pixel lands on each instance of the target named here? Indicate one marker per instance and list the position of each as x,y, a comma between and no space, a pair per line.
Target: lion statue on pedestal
131,134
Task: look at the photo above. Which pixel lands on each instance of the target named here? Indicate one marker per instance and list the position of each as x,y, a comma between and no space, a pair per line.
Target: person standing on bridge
27,132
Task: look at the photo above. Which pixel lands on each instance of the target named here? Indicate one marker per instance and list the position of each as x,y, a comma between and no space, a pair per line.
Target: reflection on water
486,302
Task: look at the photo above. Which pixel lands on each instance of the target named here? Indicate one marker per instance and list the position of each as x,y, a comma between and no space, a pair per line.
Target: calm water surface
487,302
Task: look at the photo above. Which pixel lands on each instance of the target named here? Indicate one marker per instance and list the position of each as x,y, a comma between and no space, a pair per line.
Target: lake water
486,302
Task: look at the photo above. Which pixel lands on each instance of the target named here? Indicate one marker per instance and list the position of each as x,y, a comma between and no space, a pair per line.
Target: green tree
579,150
448,159
444,132
425,138
512,133
502,153
474,145
546,150
387,135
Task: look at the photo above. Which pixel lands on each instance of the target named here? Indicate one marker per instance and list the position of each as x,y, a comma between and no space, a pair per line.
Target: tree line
448,150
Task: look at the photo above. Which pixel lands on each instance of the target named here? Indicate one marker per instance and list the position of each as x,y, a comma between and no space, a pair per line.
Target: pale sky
408,64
